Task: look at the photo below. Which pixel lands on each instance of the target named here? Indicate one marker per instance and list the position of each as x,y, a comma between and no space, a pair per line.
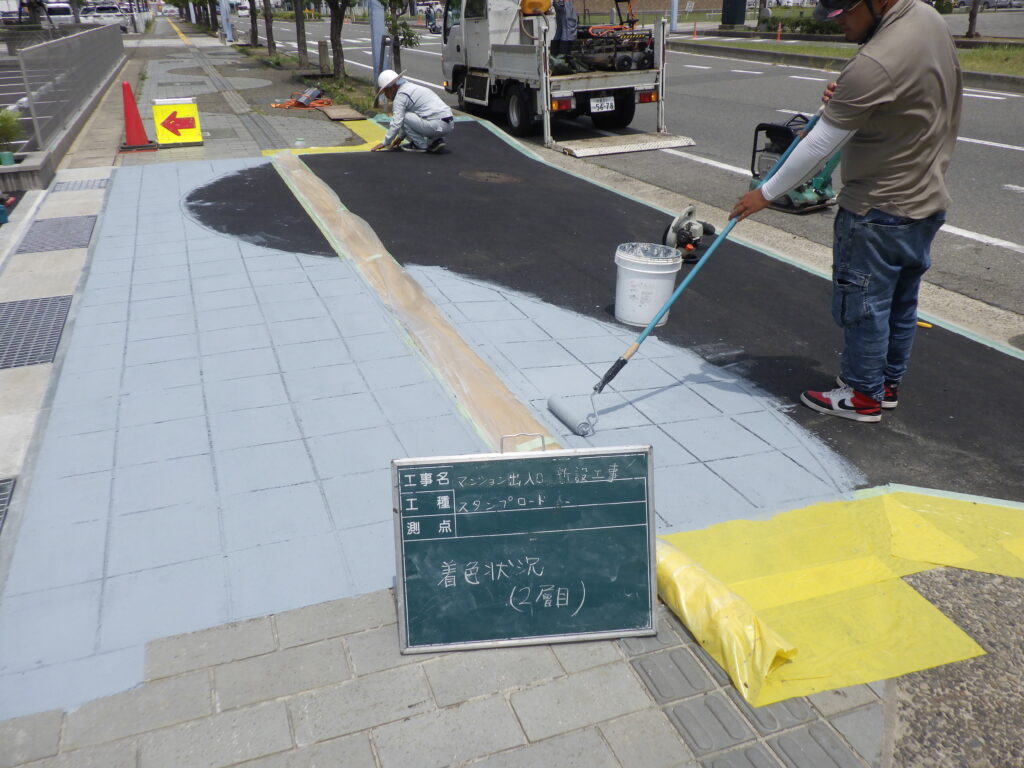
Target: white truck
496,57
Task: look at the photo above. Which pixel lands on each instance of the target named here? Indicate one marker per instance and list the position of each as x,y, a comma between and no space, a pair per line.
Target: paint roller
584,424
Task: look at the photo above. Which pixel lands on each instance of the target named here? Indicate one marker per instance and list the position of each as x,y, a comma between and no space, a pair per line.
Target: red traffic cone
135,138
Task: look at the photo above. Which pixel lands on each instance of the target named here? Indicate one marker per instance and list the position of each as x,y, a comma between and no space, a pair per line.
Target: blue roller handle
618,364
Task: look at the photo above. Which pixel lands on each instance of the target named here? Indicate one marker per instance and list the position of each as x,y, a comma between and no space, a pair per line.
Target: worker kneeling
417,114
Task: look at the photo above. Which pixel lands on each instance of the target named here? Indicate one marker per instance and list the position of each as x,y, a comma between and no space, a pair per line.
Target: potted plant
11,131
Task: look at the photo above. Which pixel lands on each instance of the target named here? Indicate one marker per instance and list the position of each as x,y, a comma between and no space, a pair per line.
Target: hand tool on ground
585,424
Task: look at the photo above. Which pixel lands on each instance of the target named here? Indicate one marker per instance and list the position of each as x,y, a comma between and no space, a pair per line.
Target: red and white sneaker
845,402
890,399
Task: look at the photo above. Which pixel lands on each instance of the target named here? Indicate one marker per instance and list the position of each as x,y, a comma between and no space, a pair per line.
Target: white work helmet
386,78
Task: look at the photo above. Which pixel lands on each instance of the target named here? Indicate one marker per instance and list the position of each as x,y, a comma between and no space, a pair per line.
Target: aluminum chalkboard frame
505,549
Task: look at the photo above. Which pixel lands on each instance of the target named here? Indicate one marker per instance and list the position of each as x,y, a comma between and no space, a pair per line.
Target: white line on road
984,96
696,66
747,71
1014,188
990,143
983,238
996,93
708,161
815,79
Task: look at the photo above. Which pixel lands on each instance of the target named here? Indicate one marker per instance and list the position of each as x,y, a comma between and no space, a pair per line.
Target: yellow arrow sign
177,122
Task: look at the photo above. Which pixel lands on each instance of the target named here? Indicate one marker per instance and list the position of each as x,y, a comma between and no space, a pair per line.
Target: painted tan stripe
481,396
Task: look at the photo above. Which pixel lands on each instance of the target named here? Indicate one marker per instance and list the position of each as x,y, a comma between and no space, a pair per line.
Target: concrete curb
981,79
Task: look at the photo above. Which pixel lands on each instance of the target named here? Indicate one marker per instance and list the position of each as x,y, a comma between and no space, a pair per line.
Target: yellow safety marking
177,124
180,34
827,579
369,131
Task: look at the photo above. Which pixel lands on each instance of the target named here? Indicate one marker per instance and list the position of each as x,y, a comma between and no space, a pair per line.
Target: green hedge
808,26
290,16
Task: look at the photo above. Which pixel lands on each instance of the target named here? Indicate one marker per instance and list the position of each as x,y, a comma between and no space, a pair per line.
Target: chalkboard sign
517,548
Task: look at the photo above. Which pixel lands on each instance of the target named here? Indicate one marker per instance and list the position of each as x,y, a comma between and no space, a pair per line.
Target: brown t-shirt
901,95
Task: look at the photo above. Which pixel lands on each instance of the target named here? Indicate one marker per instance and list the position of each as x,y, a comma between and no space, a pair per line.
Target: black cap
828,10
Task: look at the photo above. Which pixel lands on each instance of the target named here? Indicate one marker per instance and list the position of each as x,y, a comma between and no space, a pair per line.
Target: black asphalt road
488,211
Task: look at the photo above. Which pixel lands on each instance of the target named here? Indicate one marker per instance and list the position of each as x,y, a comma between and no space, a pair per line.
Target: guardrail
61,76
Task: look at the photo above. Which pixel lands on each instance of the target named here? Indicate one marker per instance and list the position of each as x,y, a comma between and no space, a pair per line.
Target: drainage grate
6,490
58,234
74,186
30,330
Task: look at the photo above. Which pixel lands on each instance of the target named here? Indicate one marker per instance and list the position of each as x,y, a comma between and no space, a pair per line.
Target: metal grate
30,330
6,491
58,234
74,186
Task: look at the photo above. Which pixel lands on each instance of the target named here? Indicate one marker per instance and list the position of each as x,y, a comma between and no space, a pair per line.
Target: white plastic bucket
645,281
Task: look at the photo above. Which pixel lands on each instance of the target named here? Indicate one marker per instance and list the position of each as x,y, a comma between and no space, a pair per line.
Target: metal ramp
614,145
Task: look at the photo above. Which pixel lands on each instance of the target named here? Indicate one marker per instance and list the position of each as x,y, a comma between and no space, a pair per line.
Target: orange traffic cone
135,138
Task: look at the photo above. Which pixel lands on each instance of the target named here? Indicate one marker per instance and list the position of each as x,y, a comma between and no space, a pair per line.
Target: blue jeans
877,263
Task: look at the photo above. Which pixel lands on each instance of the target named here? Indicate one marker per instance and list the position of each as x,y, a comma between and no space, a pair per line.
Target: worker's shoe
845,402
437,145
408,146
890,399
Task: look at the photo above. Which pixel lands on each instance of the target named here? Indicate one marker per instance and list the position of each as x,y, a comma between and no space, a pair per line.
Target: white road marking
990,143
996,93
696,66
1014,188
983,238
984,96
815,79
708,161
746,71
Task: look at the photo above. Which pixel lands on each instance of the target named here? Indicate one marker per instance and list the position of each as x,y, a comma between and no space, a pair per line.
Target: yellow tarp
824,581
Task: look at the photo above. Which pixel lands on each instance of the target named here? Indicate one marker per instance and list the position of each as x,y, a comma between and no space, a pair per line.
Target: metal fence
62,75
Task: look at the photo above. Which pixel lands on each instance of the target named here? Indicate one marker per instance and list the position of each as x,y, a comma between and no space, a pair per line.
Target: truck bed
520,62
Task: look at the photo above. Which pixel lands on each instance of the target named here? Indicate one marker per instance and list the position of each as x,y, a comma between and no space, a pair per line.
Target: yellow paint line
179,32
370,132
478,392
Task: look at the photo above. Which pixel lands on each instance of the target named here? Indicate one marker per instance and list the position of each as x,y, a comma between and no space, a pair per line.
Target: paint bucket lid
651,254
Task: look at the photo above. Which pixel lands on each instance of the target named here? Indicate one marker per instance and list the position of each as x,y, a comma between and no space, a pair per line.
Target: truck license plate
602,104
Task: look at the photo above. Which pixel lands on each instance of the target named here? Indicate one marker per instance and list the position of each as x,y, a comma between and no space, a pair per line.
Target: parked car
243,11
60,13
987,4
104,14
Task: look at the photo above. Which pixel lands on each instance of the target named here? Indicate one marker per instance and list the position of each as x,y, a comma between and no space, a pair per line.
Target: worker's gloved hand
750,203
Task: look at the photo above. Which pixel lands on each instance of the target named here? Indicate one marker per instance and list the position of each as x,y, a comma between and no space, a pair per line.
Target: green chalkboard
514,548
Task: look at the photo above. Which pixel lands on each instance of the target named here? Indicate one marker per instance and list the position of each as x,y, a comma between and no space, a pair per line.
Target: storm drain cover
6,489
58,234
74,186
30,330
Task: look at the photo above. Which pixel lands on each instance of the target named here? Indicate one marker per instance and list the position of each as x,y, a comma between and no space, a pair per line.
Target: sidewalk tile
70,500
250,392
729,397
57,558
446,435
277,674
151,308
748,756
582,749
770,480
81,418
449,736
253,426
237,297
236,339
31,737
357,500
231,280
165,484
265,579
377,346
76,454
328,416
102,315
354,452
716,438
576,657
458,677
813,746
95,385
414,402
303,330
676,403
370,556
159,537
673,674
230,366
48,627
862,728
313,354
667,637
143,329
159,442
349,751
692,496
155,406
328,381
773,717
394,372
283,311
160,274
336,618
831,703
365,702
378,649
647,739
154,705
85,359
710,723
169,656
221,740
289,292
161,290
273,277
232,317
263,466
142,606
160,376
588,697
273,515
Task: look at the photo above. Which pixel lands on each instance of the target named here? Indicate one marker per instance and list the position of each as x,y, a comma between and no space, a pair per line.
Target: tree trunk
300,32
337,9
211,8
268,22
396,53
254,26
972,20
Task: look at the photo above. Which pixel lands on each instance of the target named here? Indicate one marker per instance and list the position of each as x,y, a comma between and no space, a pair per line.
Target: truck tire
622,115
520,111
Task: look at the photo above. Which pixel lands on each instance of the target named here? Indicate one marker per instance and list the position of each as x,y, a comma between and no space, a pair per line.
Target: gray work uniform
420,114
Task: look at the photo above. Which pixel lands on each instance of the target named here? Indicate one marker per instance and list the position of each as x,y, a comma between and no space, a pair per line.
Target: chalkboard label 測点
508,549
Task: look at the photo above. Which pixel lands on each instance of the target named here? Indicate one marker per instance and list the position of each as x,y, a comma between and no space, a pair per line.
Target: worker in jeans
417,114
895,111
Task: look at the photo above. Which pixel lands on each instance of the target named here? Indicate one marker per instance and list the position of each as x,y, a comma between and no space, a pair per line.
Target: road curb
984,79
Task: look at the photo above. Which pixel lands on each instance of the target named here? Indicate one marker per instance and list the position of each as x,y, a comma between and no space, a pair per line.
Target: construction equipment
814,194
685,234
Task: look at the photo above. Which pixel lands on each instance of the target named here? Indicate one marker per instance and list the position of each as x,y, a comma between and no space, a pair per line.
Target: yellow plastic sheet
826,578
